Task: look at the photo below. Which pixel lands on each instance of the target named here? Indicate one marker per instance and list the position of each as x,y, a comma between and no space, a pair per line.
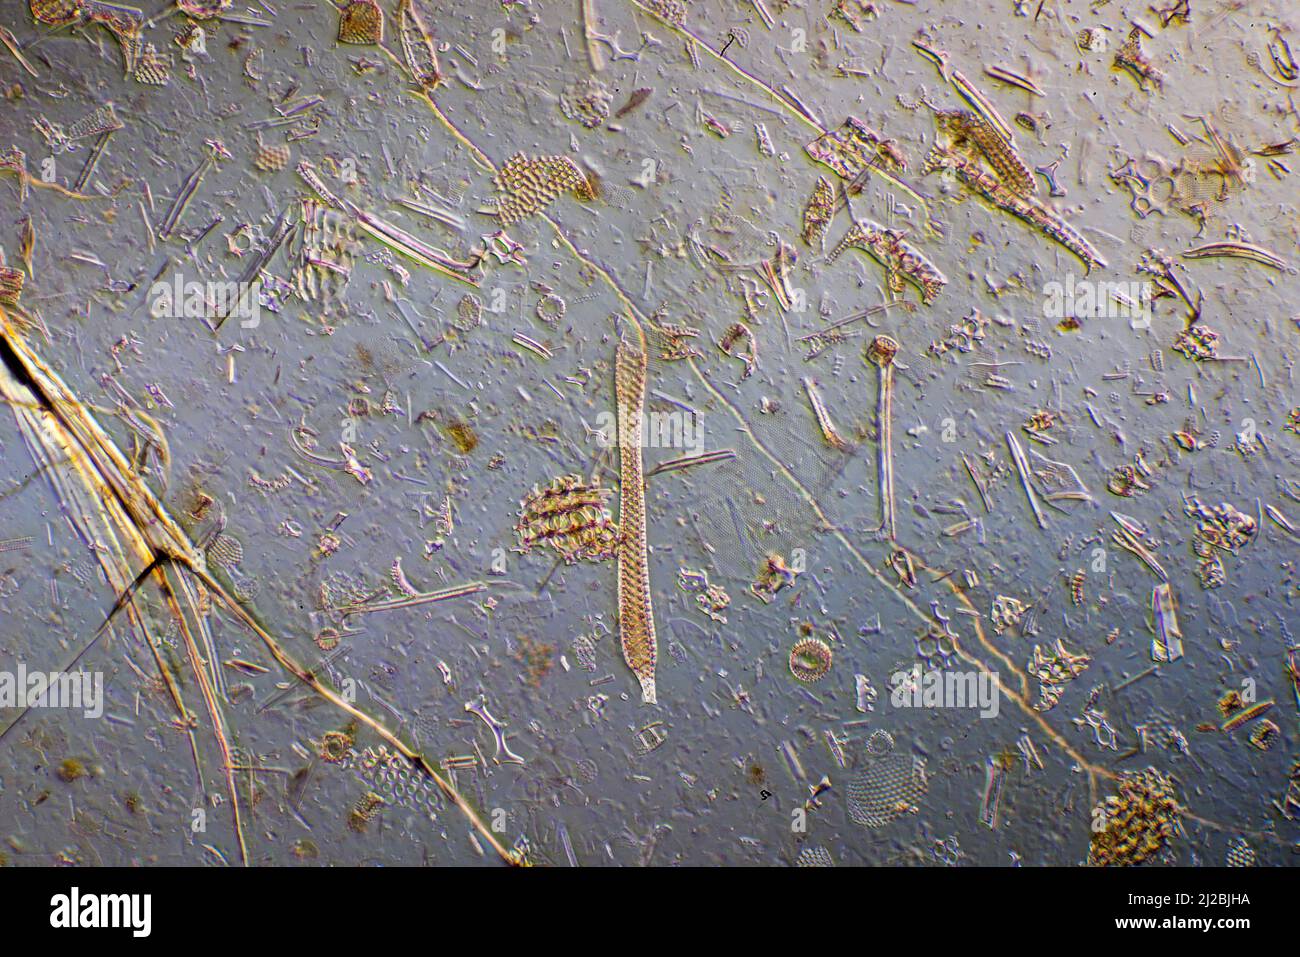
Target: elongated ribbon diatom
636,621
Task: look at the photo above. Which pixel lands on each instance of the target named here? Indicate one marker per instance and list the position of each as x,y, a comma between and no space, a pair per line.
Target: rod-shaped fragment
635,615
1022,469
881,353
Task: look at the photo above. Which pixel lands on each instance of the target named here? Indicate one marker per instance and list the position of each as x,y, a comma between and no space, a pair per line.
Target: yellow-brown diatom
810,660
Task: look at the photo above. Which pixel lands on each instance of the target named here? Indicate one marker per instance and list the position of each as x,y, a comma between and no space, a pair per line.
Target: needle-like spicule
120,512
635,616
11,43
397,239
117,516
968,90
1022,469
191,186
1129,538
829,432
1238,250
881,354
412,598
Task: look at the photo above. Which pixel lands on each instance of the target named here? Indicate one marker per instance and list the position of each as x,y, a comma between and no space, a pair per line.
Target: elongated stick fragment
1167,644
1022,469
186,194
11,43
829,432
1237,250
881,354
1012,78
88,169
1128,540
1281,521
975,479
391,236
414,249
688,461
594,53
413,598
313,179
636,621
969,92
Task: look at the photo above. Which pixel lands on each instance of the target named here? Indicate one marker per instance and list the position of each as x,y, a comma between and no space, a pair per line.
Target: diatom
1132,58
735,333
1137,822
529,185
810,660
966,128
586,101
570,516
417,47
56,13
670,11
887,787
102,120
1054,669
818,213
635,614
365,809
270,158
153,68
361,22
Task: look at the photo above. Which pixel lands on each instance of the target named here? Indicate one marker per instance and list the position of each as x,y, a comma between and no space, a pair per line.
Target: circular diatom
880,742
335,746
810,660
551,309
